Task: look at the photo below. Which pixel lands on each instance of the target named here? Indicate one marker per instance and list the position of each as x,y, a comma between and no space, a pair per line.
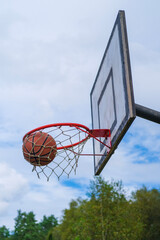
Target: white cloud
3,207
145,69
12,184
122,167
46,198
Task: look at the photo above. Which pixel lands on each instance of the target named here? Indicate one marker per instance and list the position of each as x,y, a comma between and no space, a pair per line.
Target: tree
115,215
147,202
26,227
54,233
4,233
69,223
47,224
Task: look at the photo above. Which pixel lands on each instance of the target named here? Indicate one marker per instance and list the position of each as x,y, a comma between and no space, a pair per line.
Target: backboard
112,98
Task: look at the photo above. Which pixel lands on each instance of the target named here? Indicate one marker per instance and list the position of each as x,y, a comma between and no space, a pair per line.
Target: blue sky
50,52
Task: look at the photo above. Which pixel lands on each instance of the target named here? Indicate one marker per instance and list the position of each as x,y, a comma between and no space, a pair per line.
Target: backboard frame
130,112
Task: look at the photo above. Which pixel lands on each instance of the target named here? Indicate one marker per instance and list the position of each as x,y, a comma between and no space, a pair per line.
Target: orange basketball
39,148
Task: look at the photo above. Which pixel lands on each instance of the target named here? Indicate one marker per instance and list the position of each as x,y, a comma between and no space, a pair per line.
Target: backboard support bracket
147,113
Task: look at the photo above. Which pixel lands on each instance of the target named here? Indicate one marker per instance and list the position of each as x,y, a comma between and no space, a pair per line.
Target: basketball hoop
59,147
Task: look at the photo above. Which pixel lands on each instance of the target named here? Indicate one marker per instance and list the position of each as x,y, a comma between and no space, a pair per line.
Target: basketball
39,148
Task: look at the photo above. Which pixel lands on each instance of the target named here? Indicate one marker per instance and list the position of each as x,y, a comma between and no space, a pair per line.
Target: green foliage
54,234
47,224
147,202
26,227
4,233
116,217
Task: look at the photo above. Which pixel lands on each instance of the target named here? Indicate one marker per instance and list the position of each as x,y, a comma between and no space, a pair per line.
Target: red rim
76,125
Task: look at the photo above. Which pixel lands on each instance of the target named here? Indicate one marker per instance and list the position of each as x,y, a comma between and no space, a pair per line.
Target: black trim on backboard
127,58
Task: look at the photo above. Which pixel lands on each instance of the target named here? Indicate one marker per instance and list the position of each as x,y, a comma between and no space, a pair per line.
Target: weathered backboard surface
112,100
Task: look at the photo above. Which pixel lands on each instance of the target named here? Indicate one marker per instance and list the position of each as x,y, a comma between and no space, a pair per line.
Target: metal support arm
147,113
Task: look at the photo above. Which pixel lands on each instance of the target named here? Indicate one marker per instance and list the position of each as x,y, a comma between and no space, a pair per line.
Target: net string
66,159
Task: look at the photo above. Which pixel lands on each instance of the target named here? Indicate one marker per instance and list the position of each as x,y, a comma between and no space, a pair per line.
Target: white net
70,142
